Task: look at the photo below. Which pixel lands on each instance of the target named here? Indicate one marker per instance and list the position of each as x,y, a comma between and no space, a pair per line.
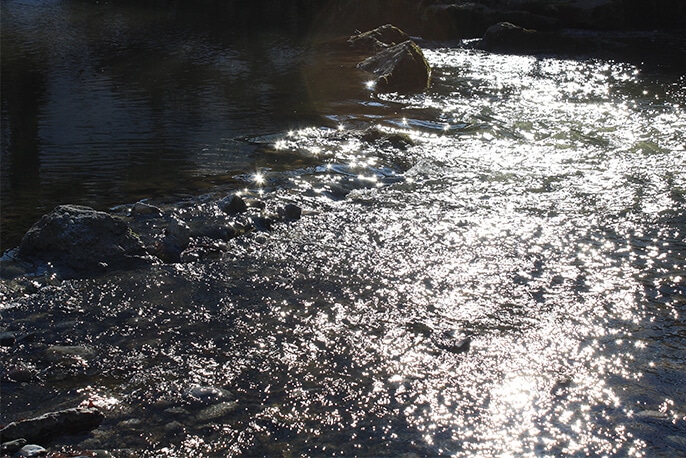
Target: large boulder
83,240
399,68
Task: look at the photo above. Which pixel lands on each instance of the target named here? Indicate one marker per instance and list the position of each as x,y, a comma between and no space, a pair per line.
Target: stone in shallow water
216,411
53,424
291,212
401,68
232,204
83,240
206,395
31,450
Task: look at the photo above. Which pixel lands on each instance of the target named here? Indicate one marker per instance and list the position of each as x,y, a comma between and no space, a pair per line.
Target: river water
535,206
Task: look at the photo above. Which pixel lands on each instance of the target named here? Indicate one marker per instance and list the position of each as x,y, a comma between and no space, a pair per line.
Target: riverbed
494,267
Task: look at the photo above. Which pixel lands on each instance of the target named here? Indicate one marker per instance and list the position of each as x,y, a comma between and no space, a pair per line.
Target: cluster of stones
80,241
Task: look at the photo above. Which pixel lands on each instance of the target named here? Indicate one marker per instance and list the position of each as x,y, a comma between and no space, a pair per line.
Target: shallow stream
534,206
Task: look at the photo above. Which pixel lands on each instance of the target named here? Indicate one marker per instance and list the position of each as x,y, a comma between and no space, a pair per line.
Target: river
533,205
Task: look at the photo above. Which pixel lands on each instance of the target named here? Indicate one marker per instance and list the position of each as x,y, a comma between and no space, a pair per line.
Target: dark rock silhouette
398,63
53,424
83,240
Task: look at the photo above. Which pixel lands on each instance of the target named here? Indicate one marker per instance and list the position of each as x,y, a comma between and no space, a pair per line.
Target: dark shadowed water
535,205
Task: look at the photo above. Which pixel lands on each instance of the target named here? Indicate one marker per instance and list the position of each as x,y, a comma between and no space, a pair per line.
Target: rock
83,240
507,37
19,374
232,204
178,233
12,446
206,395
141,208
32,450
7,339
69,352
378,39
455,21
216,411
401,68
291,212
53,424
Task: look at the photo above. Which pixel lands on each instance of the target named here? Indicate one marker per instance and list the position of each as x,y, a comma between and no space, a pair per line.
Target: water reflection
109,103
545,223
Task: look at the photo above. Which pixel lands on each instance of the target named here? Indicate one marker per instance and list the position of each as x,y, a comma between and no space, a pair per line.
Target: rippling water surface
533,207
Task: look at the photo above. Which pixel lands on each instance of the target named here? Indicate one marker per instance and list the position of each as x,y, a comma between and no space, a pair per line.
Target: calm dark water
535,204
104,104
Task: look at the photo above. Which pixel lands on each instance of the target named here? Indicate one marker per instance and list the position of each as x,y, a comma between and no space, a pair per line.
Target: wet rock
143,209
178,233
456,20
175,428
216,411
31,450
290,212
83,240
223,232
19,374
206,395
53,424
7,339
69,352
12,446
510,38
378,39
232,204
401,68
262,223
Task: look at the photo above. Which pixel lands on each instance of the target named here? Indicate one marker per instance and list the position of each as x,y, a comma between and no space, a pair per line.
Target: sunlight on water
491,268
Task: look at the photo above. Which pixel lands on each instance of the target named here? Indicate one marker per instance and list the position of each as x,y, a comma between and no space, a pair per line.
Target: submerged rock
53,424
401,67
82,239
206,395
